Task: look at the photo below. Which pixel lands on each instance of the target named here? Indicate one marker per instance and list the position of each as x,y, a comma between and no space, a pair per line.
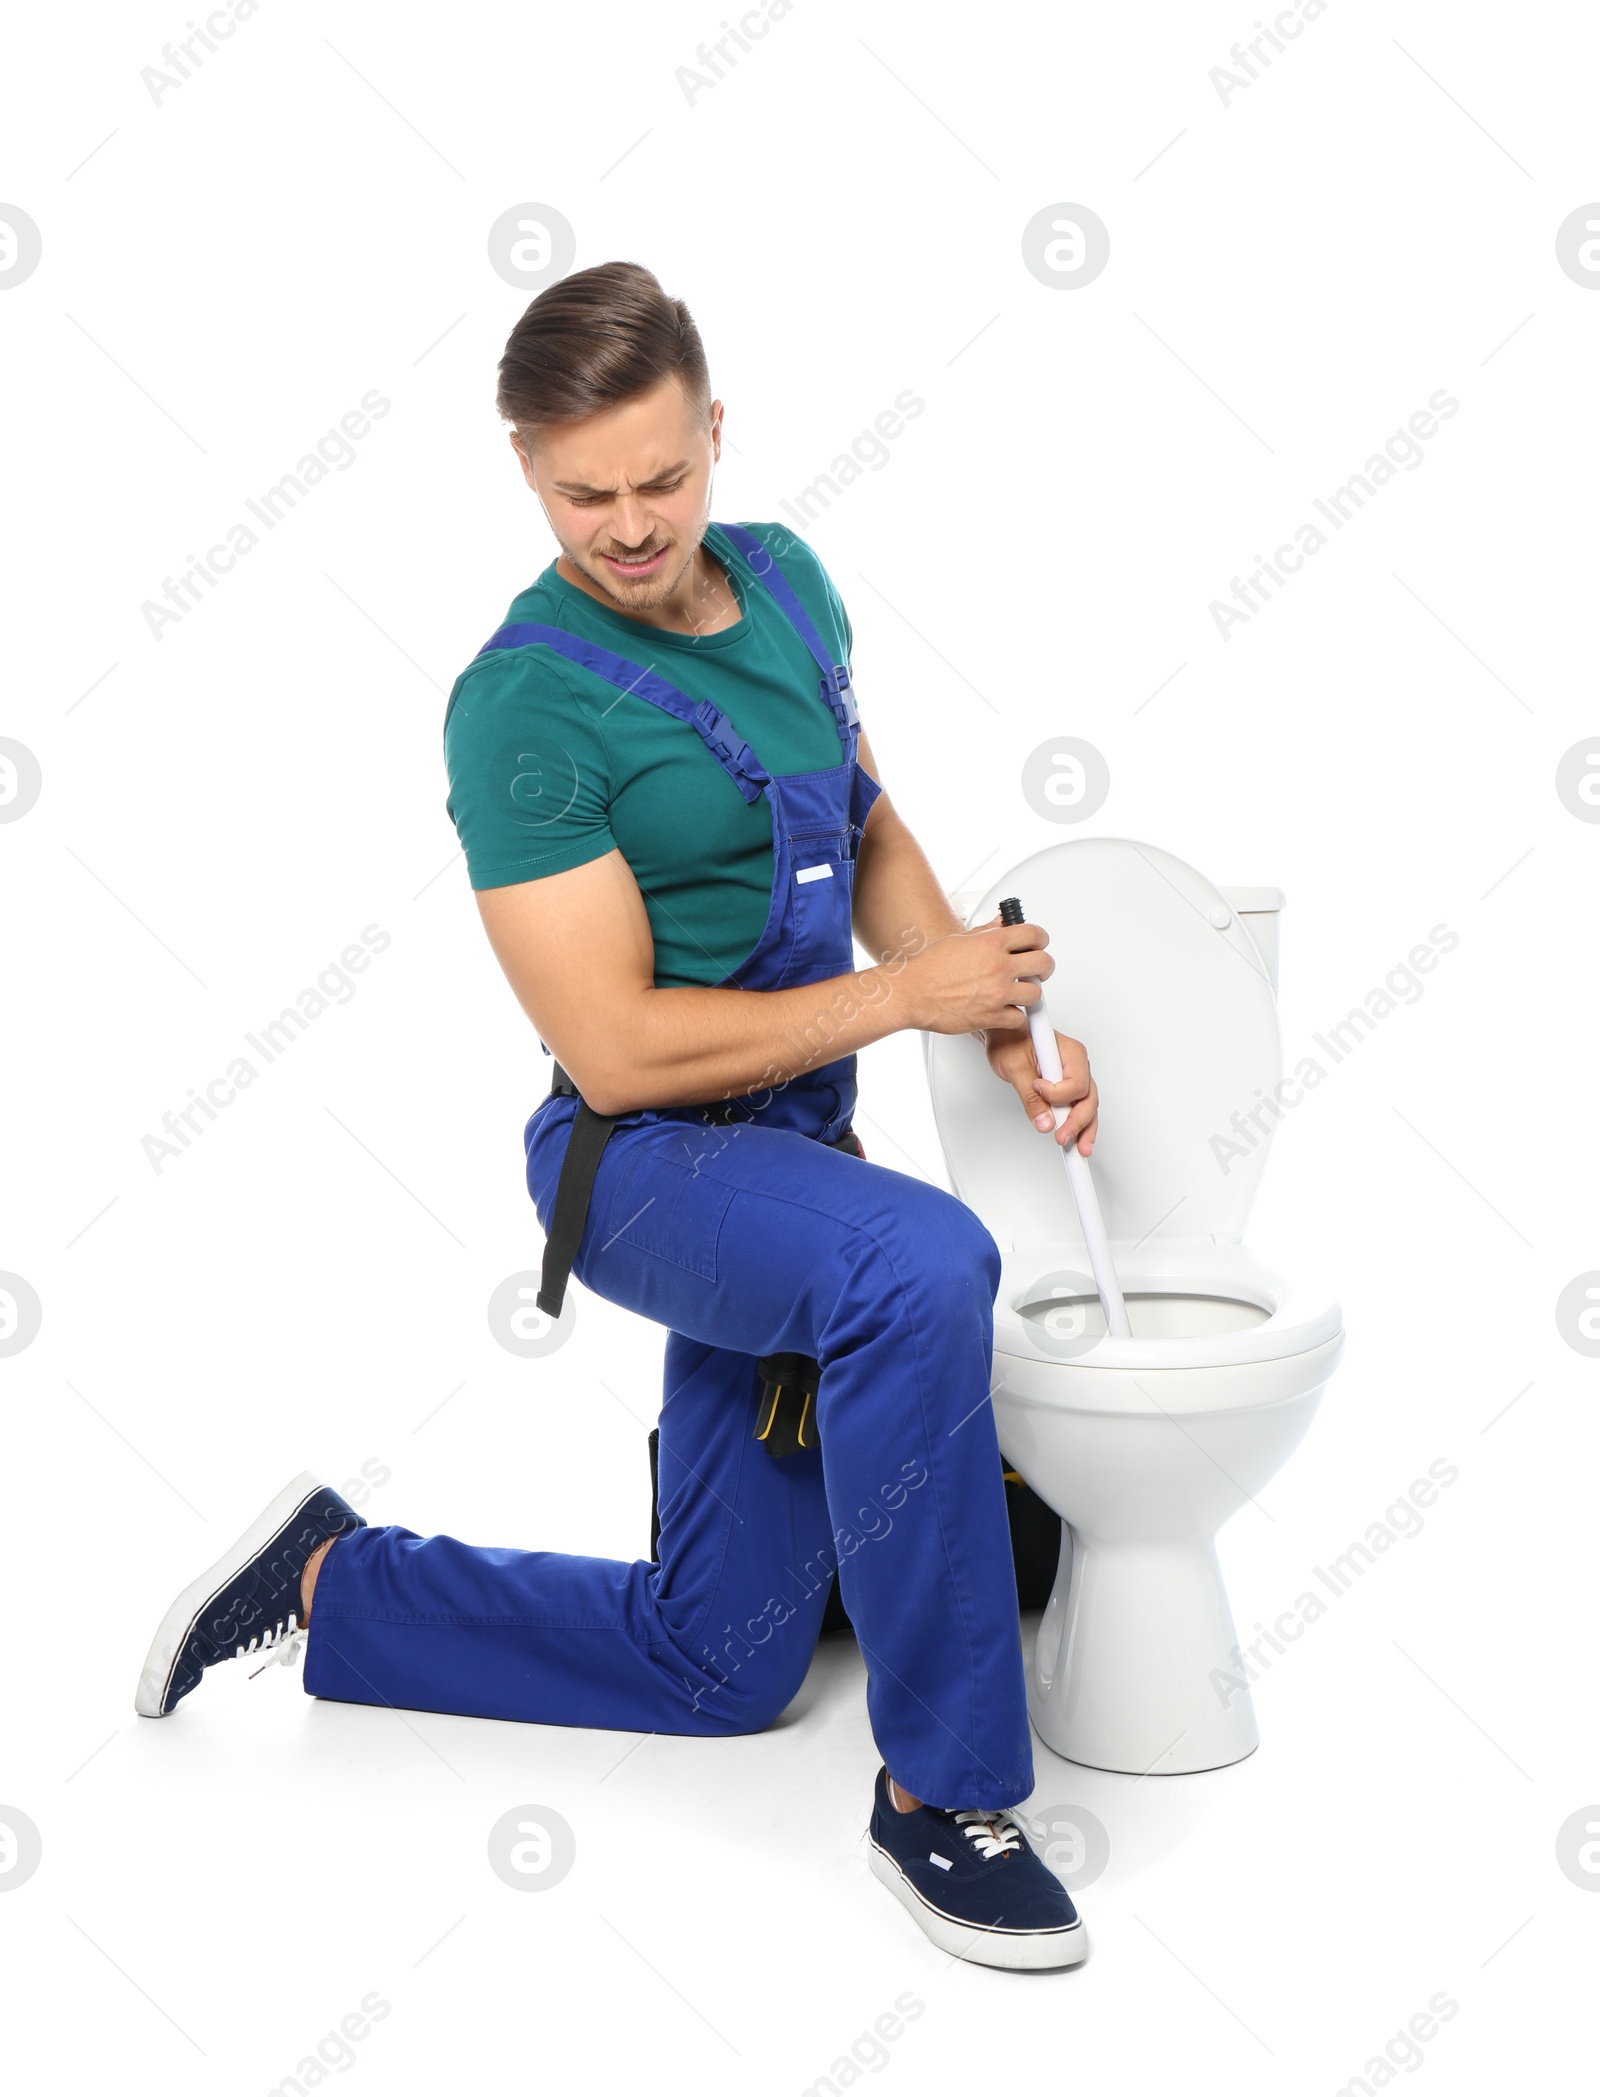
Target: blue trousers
745,1242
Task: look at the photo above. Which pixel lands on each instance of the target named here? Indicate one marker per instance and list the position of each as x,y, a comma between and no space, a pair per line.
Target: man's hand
973,982
1011,1058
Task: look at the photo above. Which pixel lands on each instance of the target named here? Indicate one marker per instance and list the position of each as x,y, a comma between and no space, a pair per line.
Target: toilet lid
1170,995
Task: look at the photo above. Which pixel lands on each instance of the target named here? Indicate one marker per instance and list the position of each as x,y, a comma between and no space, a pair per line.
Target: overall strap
709,722
836,687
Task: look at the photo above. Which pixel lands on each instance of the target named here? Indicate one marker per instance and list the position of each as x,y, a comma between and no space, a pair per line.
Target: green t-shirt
550,766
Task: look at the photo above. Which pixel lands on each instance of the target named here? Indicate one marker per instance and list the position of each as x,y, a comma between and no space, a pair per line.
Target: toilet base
1133,1667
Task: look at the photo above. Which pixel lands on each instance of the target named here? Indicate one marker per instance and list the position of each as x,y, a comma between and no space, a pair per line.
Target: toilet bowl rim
1300,1318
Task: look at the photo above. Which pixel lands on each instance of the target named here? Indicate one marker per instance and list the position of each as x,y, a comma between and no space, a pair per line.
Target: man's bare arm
577,950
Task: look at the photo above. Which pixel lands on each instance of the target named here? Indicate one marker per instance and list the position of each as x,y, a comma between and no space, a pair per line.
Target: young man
673,826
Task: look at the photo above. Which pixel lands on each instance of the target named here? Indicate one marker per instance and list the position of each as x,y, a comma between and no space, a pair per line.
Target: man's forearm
683,1045
704,1044
689,1044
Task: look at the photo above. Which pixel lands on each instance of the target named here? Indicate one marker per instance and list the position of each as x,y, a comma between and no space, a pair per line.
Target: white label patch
815,873
943,1863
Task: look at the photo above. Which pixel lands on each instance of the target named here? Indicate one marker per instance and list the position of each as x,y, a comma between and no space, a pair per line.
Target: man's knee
935,1258
956,1249
741,1698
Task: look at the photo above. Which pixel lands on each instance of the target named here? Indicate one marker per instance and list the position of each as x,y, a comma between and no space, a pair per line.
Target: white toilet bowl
1144,1446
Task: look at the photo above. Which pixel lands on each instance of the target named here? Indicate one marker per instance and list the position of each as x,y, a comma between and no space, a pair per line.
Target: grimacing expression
628,492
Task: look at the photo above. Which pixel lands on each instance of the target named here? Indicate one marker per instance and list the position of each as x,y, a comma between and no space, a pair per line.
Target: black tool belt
591,1132
786,1419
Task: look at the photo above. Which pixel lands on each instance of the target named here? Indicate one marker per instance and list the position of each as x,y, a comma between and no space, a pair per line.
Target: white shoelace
993,1834
282,1642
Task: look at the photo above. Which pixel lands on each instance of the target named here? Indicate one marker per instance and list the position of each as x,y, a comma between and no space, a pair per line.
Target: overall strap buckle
840,694
729,748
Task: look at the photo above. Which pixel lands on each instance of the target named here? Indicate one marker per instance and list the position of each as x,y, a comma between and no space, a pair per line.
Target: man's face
628,492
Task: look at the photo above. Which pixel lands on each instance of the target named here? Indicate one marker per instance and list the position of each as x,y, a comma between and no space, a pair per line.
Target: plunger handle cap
1011,911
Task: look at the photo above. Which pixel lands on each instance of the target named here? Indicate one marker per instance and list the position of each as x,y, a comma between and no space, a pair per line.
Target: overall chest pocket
666,1208
821,882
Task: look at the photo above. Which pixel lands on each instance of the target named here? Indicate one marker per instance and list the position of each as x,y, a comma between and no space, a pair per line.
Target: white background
1292,274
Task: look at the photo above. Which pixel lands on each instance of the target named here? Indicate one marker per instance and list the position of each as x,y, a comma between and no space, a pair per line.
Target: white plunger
1079,1177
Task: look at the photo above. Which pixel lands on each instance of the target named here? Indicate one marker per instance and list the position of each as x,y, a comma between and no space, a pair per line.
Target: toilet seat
1158,976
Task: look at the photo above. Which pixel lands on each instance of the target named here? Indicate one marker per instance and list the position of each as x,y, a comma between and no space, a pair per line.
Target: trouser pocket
665,1208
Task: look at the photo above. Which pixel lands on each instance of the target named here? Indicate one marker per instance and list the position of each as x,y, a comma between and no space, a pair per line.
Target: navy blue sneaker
974,1886
250,1600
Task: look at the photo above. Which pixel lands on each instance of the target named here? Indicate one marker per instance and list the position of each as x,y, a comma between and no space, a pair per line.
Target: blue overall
744,1240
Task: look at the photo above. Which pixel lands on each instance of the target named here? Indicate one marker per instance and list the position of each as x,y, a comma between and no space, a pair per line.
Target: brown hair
594,340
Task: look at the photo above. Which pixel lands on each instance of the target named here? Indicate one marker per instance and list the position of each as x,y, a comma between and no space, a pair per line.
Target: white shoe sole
179,1620
1017,1951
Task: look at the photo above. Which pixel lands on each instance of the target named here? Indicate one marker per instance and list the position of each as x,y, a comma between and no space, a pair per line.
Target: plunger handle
1079,1177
